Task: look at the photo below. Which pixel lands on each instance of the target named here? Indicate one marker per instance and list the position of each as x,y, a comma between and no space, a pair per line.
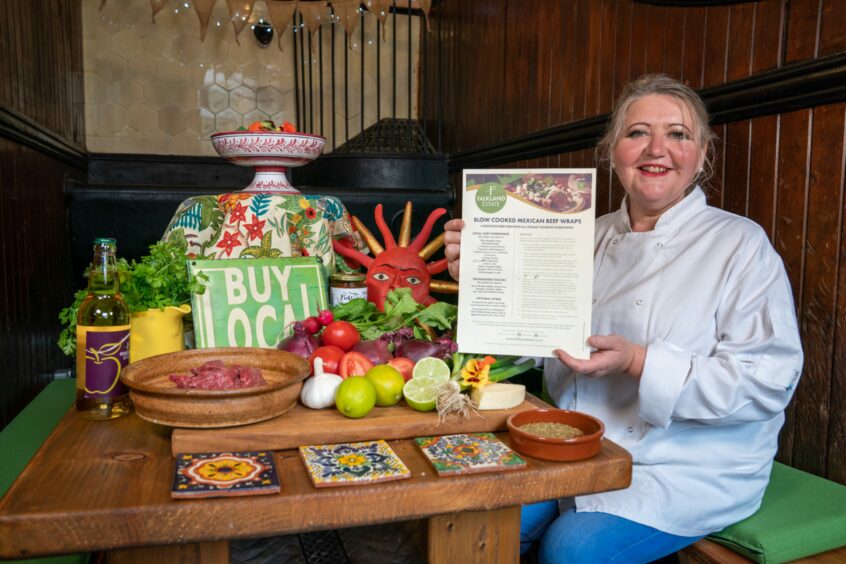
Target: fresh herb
159,280
67,338
401,310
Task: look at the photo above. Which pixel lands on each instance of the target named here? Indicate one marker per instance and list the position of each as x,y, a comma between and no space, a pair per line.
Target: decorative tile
469,453
351,464
224,474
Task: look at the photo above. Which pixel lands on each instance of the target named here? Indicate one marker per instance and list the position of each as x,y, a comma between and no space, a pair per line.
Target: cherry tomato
331,356
342,334
354,364
404,365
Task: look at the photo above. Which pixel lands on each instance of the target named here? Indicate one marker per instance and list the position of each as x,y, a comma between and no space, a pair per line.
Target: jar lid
348,276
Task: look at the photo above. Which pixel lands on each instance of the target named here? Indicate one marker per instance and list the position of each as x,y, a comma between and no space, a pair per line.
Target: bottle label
338,296
101,355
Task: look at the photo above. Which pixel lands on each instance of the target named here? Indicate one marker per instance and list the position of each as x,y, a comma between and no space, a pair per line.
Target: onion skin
415,349
300,343
375,351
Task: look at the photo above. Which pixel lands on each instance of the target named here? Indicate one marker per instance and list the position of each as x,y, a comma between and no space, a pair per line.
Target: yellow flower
476,370
304,204
296,218
351,459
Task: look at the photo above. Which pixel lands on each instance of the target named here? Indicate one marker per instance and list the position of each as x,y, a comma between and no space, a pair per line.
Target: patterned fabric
244,224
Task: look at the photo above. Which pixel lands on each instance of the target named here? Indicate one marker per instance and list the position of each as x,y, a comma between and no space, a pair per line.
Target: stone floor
390,543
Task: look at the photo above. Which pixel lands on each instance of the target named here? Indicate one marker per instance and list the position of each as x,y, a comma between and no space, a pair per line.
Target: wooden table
106,486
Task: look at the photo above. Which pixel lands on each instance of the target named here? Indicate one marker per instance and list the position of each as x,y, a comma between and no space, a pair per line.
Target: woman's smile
656,158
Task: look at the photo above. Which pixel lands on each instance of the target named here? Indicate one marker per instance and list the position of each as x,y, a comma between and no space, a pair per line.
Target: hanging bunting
156,7
379,8
347,13
204,10
314,15
239,13
281,15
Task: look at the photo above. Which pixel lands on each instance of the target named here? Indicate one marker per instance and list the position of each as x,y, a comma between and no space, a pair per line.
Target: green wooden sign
253,302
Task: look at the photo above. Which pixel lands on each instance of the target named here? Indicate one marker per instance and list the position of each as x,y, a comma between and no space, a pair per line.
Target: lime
388,382
431,367
355,396
420,393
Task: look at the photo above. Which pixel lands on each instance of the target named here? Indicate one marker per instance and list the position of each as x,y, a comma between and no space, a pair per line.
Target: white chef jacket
709,297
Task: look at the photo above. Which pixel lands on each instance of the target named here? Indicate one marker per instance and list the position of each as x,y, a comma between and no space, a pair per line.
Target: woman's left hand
613,354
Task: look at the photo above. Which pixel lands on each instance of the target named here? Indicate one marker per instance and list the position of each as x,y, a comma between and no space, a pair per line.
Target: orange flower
476,371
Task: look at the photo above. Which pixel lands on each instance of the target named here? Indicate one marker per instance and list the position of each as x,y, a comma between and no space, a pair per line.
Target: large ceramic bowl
545,448
270,153
156,397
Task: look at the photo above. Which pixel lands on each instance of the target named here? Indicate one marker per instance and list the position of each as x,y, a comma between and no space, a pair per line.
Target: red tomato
404,365
342,334
354,364
331,356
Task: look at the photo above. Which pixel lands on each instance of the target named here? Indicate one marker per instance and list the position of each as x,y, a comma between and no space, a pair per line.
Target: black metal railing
385,130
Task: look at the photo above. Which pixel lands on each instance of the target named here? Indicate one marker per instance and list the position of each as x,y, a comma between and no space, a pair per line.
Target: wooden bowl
156,397
545,448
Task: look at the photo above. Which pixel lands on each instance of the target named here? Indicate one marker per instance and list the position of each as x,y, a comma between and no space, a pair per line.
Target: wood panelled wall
496,70
41,138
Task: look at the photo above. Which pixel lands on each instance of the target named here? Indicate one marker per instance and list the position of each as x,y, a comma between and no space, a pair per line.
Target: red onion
375,351
301,343
415,349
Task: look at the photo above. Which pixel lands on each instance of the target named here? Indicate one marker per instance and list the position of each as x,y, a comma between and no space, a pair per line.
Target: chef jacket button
613,241
593,301
630,429
639,302
659,245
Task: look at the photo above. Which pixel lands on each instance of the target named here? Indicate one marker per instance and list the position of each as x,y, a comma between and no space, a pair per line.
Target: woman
697,348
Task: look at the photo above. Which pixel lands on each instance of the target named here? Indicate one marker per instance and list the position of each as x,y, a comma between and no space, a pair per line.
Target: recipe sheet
526,267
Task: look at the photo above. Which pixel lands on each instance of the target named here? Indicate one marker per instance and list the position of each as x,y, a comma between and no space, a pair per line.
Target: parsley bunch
159,280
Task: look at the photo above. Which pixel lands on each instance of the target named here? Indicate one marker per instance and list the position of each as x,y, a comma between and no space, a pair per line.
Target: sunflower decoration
400,263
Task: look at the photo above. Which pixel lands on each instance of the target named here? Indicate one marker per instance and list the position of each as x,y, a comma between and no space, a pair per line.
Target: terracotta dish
577,448
156,397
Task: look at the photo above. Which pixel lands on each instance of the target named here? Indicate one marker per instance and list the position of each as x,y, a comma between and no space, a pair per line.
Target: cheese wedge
498,396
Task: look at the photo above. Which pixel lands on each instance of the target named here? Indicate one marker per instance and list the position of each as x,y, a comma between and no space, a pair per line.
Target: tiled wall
155,88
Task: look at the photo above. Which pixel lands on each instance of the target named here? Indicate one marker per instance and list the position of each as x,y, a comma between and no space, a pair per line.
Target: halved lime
431,367
420,393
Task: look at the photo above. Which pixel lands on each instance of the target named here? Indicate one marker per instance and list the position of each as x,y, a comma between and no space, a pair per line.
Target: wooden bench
708,552
802,518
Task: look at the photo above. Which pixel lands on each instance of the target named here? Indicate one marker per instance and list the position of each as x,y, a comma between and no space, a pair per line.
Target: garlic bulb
319,390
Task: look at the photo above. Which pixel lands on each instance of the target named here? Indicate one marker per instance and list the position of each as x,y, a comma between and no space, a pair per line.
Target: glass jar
346,286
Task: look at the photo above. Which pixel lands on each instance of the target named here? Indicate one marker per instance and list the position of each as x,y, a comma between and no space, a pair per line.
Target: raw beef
214,375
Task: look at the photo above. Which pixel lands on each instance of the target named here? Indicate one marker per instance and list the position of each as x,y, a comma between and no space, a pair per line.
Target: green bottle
102,339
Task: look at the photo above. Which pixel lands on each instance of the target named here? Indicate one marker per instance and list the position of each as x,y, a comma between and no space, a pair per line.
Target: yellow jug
156,331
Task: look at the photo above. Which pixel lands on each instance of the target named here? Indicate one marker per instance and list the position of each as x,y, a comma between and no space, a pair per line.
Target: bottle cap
348,276
105,241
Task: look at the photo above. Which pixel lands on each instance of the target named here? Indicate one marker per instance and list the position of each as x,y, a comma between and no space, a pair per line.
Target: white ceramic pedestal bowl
270,153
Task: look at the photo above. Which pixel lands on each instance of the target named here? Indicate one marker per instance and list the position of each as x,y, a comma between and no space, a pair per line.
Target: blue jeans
592,537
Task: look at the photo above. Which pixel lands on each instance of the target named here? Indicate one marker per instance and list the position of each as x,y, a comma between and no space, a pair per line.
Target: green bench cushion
801,514
21,438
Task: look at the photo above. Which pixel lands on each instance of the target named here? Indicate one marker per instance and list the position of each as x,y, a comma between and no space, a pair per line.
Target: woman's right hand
452,244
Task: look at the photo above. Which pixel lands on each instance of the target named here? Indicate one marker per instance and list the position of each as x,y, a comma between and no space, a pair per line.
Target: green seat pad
25,434
801,514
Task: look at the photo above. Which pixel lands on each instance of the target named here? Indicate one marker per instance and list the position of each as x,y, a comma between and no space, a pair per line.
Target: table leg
192,553
490,537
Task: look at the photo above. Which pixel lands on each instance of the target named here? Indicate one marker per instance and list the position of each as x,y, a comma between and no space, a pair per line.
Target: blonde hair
661,84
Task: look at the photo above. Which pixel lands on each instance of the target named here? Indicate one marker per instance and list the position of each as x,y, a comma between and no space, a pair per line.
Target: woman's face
657,156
